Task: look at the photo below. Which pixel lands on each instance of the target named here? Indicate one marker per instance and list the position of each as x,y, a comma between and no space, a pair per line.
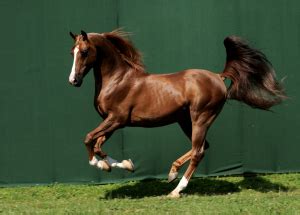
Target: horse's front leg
98,146
96,138
108,126
93,150
102,164
108,161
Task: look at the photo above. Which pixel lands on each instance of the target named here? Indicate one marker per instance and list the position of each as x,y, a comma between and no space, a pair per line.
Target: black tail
252,75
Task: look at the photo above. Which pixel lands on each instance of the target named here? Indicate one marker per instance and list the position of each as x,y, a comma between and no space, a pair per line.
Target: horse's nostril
73,81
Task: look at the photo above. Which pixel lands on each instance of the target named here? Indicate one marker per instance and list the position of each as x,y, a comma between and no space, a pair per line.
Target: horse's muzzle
76,82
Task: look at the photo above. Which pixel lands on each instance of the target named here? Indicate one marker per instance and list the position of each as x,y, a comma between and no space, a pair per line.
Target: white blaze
72,74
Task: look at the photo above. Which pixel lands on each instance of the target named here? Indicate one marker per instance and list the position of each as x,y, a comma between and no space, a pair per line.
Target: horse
127,95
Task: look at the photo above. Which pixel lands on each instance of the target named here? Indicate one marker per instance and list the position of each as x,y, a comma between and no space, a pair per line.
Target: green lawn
262,194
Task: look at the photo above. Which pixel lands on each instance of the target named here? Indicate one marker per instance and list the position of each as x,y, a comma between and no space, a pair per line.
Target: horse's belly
151,121
159,117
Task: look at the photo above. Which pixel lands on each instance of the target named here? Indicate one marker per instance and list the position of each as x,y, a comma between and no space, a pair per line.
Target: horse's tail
252,76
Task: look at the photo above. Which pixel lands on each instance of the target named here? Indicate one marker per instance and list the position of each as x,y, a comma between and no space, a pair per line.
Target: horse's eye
84,53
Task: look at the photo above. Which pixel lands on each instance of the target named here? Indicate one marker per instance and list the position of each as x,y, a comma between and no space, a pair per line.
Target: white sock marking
114,163
100,164
182,184
94,161
72,74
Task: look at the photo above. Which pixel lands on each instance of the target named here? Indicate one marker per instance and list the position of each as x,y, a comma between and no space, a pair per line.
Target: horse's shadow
199,186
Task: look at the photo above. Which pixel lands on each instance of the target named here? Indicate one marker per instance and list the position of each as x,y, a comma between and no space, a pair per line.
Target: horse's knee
88,138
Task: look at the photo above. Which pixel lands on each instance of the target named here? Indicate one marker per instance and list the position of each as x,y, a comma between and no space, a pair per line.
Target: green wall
43,120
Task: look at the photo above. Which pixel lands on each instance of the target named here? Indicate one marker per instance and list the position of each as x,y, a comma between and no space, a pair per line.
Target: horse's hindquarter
161,99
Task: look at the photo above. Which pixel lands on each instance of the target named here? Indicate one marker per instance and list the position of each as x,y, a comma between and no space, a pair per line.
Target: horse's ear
73,35
84,35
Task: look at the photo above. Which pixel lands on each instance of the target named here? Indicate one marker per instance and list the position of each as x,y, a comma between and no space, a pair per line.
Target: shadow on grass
199,186
262,185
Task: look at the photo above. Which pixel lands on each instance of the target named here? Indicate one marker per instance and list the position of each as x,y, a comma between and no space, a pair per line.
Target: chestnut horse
126,95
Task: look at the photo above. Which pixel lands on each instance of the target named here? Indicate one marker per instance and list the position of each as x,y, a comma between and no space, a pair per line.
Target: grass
261,194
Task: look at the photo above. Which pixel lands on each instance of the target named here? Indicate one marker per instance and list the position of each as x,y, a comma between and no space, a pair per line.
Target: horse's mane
126,49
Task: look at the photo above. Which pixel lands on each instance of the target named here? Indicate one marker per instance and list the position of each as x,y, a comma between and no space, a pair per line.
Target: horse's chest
103,105
100,107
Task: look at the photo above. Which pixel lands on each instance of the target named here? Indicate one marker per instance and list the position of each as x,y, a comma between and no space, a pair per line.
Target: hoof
128,165
172,176
174,195
93,162
104,165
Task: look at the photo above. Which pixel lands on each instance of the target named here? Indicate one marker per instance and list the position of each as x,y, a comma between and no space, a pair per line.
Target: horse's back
204,85
196,86
160,96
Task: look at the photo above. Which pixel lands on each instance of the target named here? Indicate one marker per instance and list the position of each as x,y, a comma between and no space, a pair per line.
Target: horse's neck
108,74
121,80
109,61
111,68
108,70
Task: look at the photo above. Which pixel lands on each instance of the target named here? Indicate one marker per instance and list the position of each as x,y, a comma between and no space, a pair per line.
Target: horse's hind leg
200,125
197,153
186,126
177,164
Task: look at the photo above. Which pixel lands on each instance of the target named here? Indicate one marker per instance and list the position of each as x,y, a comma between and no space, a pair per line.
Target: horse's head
85,55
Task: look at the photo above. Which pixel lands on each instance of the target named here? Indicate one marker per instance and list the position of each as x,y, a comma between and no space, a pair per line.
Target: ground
261,194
